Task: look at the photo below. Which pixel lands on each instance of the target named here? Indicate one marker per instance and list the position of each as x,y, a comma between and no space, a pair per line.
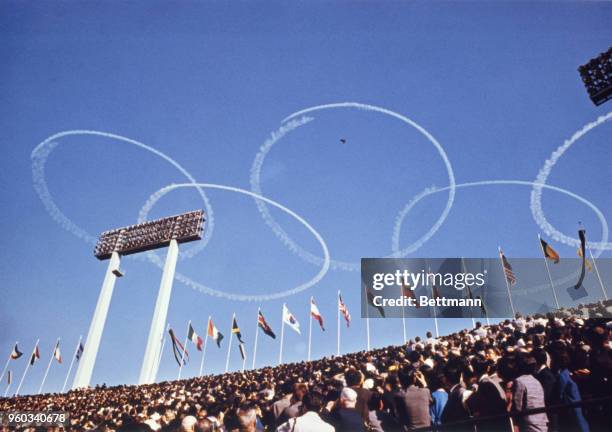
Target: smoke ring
540,182
150,203
40,155
291,123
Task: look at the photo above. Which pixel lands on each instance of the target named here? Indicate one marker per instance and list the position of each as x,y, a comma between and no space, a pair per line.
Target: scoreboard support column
150,365
83,374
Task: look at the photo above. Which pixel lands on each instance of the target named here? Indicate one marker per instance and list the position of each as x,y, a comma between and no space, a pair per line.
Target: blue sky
206,83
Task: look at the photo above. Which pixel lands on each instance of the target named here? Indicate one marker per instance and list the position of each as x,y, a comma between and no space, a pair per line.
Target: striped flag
344,311
508,273
549,252
178,349
15,354
582,236
193,337
589,266
314,312
290,320
241,349
79,352
263,325
9,377
35,355
370,298
214,333
57,354
236,331
408,293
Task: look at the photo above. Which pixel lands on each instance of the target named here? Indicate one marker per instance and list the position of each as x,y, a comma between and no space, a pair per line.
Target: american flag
510,277
343,310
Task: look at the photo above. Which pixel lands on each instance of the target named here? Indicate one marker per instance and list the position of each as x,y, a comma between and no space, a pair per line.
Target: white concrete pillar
148,372
83,374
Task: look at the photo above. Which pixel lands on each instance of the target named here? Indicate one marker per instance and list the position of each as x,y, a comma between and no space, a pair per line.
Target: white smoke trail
290,123
39,158
536,193
399,220
232,296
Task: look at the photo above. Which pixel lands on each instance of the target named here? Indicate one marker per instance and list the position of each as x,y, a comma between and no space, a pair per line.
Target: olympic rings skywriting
39,160
232,296
431,191
289,124
536,193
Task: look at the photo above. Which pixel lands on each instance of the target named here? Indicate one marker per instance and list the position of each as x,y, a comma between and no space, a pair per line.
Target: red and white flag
214,333
314,312
195,338
344,311
57,354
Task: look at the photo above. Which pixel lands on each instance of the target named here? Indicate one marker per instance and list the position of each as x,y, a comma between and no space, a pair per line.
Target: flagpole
243,351
184,350
309,328
464,269
552,285
507,283
367,320
280,355
205,344
161,350
48,367
229,345
72,363
26,368
338,345
256,337
8,360
603,289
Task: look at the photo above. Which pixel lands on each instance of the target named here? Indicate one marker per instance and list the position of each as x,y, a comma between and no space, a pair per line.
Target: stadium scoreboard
150,235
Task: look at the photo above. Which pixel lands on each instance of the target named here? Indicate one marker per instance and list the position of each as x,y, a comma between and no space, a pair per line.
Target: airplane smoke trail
399,220
39,158
287,127
536,193
150,203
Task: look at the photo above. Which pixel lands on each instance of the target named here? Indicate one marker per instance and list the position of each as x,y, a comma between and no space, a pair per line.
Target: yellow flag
587,262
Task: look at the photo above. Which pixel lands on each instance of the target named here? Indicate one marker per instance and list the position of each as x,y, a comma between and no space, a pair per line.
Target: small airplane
343,140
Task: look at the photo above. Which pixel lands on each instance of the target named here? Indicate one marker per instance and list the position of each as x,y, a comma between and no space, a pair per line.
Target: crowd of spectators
486,378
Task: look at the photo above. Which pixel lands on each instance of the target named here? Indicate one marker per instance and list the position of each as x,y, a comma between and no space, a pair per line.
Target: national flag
35,356
549,252
435,292
214,333
263,325
370,298
236,330
180,353
508,272
15,354
9,377
241,349
79,352
314,312
194,337
57,354
589,266
344,310
408,293
582,236
577,293
290,320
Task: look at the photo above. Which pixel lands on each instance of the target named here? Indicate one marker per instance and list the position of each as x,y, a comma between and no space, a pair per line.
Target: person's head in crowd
247,419
313,401
188,424
353,378
348,398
